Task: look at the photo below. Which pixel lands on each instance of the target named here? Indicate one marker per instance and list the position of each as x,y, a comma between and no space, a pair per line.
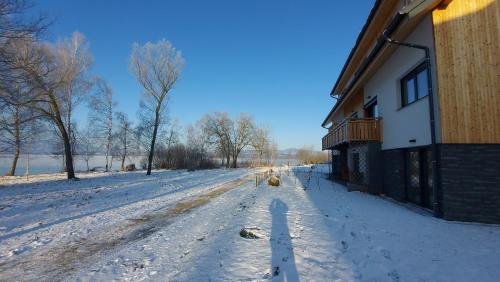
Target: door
419,177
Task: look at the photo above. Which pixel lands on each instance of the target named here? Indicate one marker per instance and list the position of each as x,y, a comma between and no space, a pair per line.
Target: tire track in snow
58,261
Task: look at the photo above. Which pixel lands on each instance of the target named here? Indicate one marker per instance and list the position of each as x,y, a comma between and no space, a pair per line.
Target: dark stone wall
335,166
393,167
470,182
375,168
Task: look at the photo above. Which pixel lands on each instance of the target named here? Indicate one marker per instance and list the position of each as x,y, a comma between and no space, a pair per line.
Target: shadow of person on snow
282,260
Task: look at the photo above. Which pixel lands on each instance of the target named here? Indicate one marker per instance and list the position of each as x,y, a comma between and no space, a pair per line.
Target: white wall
411,122
338,117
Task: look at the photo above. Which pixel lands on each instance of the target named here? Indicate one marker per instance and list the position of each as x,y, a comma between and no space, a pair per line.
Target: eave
400,25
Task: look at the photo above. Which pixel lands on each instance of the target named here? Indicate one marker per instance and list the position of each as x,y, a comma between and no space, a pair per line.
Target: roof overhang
401,22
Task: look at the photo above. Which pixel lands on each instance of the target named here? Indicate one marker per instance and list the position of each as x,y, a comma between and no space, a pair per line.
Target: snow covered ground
184,226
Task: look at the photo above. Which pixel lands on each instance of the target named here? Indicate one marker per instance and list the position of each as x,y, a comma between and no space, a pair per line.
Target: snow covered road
184,226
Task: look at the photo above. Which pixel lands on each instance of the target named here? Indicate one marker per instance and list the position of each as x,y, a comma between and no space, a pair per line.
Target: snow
185,226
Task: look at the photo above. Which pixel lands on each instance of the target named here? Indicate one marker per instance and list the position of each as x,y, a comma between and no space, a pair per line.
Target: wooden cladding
467,40
364,129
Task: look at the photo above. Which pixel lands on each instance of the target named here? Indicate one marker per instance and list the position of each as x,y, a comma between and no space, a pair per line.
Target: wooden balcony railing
363,129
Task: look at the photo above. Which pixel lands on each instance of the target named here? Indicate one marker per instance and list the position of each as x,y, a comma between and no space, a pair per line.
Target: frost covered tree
197,143
123,137
16,119
14,27
261,142
46,71
86,141
101,113
219,127
157,66
229,136
19,124
74,63
242,135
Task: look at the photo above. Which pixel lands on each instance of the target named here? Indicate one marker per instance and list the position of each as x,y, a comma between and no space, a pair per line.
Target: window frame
413,74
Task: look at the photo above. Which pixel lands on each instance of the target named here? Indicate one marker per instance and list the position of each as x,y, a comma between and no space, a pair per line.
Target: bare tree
101,113
13,23
242,134
74,62
230,137
15,117
14,27
219,127
272,152
157,67
197,143
261,142
123,137
17,120
43,68
86,141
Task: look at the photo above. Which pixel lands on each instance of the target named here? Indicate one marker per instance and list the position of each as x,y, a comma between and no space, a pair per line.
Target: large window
414,85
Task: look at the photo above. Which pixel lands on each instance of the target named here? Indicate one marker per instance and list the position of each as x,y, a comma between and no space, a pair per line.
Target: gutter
358,40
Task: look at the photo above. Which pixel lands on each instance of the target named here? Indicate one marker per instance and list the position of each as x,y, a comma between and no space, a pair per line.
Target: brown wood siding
467,42
354,104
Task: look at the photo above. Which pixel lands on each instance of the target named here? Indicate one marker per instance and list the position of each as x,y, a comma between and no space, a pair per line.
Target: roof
387,17
358,40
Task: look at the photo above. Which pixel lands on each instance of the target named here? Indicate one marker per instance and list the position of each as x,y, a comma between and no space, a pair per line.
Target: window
371,109
414,86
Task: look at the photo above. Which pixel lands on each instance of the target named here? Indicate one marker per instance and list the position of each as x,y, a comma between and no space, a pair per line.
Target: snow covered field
184,226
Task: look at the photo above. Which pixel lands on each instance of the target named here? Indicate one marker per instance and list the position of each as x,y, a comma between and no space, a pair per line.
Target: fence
262,176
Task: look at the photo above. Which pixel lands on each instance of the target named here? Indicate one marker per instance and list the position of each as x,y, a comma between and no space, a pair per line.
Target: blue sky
276,60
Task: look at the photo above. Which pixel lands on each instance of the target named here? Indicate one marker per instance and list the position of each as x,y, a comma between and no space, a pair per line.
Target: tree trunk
67,149
108,139
106,167
69,156
235,162
124,150
14,160
123,163
17,141
228,160
153,141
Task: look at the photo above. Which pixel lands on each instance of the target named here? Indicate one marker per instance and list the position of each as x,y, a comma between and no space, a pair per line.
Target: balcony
350,130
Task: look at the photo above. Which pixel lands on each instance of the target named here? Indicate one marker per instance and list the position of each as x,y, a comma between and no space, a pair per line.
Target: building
417,112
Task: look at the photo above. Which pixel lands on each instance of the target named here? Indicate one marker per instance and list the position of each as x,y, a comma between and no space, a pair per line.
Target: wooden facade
354,104
467,43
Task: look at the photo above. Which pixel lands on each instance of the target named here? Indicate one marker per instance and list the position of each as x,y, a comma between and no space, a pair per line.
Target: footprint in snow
386,254
345,246
394,275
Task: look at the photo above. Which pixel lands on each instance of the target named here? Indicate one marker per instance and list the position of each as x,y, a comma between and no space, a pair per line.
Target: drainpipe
434,149
336,100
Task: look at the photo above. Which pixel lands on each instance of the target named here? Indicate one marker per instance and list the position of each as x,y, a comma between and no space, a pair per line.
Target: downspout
434,149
